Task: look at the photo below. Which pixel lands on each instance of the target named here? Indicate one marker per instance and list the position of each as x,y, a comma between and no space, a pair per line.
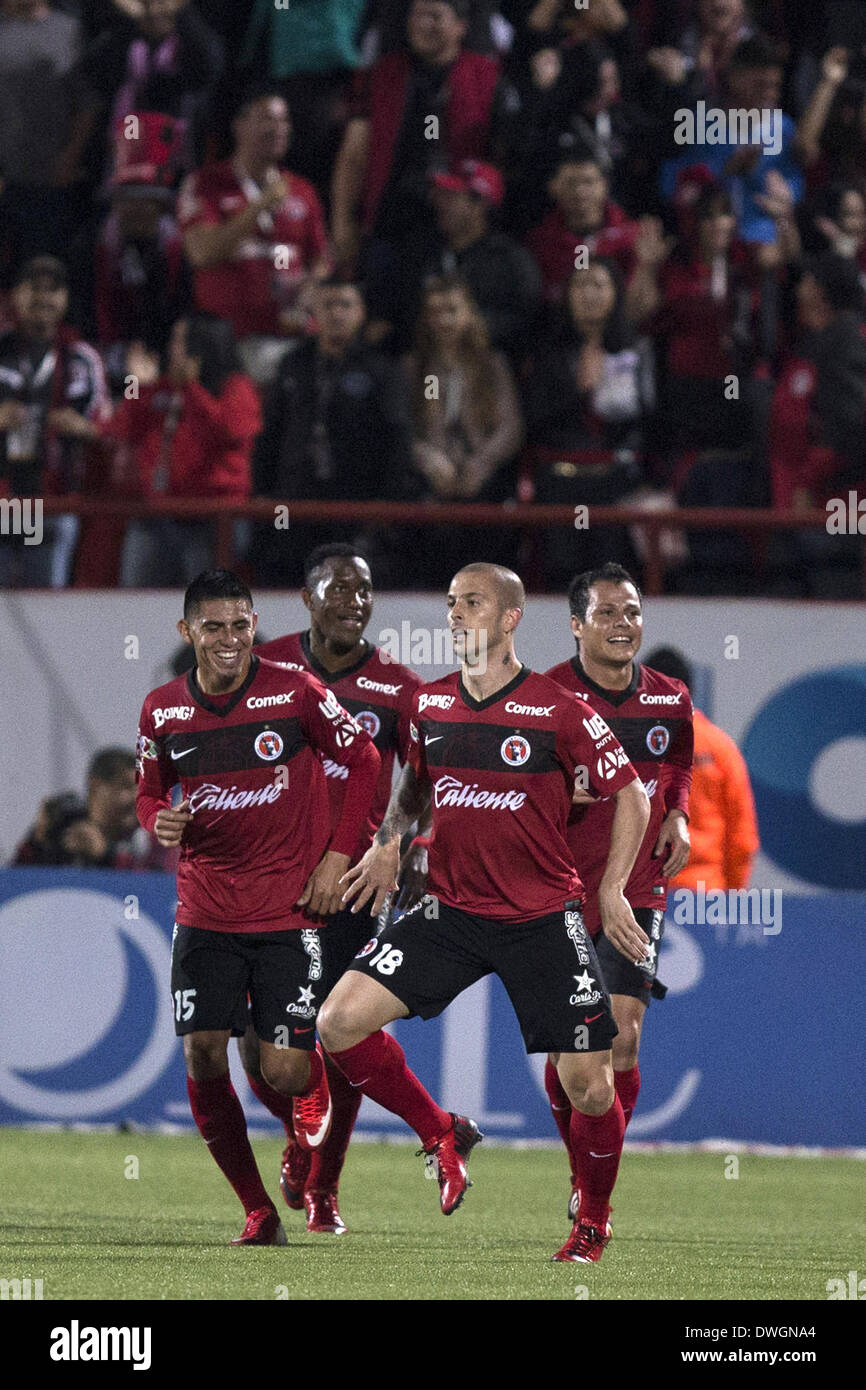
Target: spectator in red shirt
583,216
412,114
255,236
189,433
99,832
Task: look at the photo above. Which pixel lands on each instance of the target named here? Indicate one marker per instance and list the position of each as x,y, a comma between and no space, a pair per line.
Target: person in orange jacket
722,822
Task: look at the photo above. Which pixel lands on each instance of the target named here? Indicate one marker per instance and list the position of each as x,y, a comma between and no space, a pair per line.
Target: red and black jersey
652,719
378,694
503,772
250,764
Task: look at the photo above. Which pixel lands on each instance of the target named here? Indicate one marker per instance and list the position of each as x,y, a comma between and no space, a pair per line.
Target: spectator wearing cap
158,55
255,236
819,403
584,220
411,114
38,95
336,426
52,396
503,277
188,432
141,281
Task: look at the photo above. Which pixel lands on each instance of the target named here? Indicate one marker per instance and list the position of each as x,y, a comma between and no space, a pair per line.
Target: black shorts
283,972
621,975
548,966
342,938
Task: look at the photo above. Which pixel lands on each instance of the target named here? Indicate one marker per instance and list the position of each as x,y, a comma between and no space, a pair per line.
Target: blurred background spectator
98,831
587,400
723,826
186,431
336,425
53,395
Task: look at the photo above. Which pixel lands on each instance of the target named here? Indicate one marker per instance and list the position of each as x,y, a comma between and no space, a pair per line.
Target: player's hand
273,194
412,877
12,415
673,834
620,928
170,825
322,896
373,876
70,424
583,796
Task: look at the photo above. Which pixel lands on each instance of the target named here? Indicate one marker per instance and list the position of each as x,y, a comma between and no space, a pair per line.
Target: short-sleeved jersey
652,719
251,767
265,272
378,695
503,772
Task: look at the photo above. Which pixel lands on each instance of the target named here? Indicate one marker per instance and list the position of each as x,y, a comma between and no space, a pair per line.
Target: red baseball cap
471,176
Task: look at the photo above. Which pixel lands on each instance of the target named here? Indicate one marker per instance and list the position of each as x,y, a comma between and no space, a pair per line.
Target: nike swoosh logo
314,1140
592,1155
175,756
303,1030
594,1018
432,740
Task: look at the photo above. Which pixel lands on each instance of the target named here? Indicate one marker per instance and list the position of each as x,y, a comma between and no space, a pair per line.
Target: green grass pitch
682,1230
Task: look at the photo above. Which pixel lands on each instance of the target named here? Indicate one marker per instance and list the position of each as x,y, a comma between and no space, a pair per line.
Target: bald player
496,751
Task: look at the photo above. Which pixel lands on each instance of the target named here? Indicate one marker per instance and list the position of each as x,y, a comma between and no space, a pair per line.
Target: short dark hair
755,53
462,8
670,662
260,89
338,280
214,584
107,764
578,589
340,550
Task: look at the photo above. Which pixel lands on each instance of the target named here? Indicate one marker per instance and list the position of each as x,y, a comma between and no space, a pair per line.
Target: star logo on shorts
650,958
584,981
305,995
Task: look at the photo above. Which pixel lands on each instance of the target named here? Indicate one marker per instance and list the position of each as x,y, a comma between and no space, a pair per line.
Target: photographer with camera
99,832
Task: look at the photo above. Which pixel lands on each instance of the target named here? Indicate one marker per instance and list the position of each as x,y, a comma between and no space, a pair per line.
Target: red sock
560,1108
279,1105
220,1119
627,1085
328,1161
596,1142
377,1066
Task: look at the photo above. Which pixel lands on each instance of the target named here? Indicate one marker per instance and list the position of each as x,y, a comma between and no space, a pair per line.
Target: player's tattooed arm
375,876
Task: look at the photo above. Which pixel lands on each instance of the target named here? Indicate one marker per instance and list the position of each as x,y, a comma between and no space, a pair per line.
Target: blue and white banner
759,1039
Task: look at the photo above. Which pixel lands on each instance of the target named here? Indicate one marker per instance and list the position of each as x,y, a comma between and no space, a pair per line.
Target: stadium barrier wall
749,1045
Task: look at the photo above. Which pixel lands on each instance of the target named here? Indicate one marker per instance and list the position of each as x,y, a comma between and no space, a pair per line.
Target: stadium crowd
432,250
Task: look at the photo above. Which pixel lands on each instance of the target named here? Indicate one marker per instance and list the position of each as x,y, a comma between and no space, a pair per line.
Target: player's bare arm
674,841
629,826
171,823
376,874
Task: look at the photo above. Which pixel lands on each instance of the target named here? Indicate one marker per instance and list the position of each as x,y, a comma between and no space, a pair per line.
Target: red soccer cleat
294,1170
311,1114
447,1159
585,1245
263,1228
323,1214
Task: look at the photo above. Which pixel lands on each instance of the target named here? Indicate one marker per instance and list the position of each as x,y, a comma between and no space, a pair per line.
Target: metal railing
758,523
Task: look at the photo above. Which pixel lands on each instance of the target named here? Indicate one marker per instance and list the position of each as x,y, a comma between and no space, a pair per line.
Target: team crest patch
268,745
369,721
366,950
657,740
515,750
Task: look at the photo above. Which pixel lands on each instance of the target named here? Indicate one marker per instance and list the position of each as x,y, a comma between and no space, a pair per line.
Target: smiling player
651,715
338,593
495,751
258,852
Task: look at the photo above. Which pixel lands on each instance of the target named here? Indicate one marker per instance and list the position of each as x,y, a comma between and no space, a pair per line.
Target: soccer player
245,738
338,593
651,716
496,750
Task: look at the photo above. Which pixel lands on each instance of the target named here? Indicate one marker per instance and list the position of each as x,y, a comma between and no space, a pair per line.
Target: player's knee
626,1045
205,1057
248,1048
340,1024
591,1095
286,1070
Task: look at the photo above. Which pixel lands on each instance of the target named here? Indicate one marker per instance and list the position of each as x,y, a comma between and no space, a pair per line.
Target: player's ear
305,597
576,626
183,629
254,621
